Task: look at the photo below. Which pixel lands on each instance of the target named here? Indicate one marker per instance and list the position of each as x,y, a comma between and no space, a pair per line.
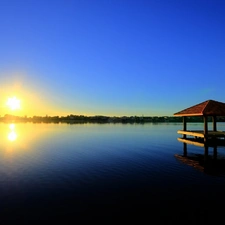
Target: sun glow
12,135
13,103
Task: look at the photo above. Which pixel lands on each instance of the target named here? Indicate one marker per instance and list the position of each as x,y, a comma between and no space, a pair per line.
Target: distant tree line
103,119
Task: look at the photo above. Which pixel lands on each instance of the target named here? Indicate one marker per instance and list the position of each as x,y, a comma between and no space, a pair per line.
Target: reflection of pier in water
209,164
204,138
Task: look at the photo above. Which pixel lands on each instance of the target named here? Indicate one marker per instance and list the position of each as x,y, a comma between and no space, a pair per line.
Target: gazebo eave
186,114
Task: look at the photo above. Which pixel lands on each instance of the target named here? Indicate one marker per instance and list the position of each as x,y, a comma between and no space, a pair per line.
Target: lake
109,173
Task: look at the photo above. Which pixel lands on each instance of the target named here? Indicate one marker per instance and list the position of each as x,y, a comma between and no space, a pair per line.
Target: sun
13,103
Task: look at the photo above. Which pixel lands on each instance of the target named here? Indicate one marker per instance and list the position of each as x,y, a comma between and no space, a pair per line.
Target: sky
111,57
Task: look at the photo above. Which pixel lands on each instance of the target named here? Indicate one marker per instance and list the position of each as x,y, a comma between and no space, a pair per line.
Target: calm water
106,173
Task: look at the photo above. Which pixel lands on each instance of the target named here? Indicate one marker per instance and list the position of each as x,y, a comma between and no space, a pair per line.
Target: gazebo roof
207,108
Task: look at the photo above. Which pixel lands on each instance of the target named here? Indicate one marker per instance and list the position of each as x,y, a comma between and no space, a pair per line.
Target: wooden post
185,149
205,128
206,152
214,123
215,152
184,125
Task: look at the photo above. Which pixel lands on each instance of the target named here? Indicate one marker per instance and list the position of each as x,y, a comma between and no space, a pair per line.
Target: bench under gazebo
209,108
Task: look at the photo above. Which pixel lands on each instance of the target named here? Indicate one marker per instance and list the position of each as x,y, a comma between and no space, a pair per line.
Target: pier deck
200,133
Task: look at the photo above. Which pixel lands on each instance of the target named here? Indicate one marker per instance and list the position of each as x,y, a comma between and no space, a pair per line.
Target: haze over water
104,172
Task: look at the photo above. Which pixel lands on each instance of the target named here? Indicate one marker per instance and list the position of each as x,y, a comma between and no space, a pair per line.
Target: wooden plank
191,133
201,134
191,142
216,134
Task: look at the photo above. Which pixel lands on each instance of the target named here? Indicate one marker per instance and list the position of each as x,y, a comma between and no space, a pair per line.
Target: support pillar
206,152
185,149
205,128
214,123
215,152
184,125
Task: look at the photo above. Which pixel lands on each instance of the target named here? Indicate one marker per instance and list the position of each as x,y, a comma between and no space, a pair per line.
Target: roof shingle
207,108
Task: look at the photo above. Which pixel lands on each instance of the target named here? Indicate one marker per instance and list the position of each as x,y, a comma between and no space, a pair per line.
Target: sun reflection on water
20,140
12,126
12,135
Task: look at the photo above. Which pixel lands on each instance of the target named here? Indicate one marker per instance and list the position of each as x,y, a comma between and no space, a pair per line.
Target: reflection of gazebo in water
211,165
203,138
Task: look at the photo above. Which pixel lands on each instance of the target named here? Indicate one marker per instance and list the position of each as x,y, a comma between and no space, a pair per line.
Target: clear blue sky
112,57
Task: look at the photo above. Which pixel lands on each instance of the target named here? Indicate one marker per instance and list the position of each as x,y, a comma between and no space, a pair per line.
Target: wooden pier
201,133
203,138
208,108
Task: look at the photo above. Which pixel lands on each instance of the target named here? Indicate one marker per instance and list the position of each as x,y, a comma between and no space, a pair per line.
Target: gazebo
209,108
